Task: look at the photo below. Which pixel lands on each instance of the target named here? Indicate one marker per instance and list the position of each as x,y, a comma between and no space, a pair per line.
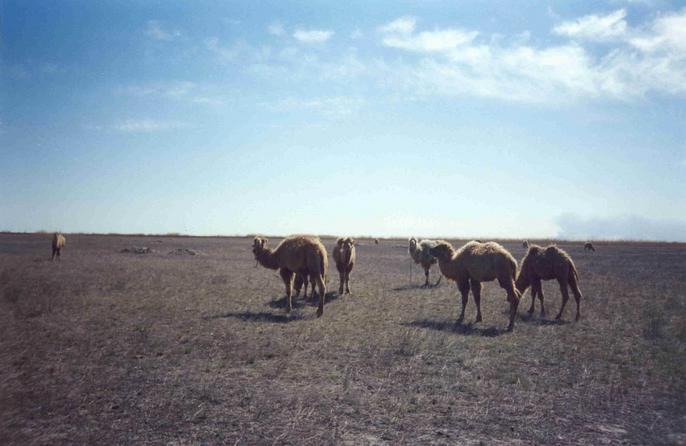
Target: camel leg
539,287
54,252
341,280
533,297
565,297
463,286
440,276
322,293
577,293
287,277
513,296
347,282
426,278
476,291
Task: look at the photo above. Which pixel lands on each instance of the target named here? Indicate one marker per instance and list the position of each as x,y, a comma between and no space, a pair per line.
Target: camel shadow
456,327
300,302
414,287
262,316
535,320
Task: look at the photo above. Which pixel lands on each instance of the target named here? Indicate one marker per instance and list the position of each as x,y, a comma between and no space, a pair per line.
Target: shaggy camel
297,254
419,251
545,264
479,262
58,242
344,256
588,246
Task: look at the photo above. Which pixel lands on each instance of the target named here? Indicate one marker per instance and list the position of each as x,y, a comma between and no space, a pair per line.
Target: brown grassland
107,347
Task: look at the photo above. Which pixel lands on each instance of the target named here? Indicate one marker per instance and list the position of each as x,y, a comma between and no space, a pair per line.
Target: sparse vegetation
165,349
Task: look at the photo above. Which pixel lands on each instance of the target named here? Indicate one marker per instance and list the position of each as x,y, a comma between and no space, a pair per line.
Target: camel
296,254
525,244
548,263
588,246
344,256
478,262
419,251
58,243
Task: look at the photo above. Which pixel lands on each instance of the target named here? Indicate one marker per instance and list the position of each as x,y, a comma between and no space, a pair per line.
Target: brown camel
297,254
478,262
546,264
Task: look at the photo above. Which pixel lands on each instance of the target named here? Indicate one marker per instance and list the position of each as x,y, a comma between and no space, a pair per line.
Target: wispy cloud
155,30
147,126
328,106
595,27
457,62
312,35
276,29
176,90
401,25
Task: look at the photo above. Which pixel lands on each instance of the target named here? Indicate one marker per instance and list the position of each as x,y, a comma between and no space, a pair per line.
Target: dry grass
112,348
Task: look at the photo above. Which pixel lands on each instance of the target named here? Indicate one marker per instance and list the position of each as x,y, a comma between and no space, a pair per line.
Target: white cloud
276,29
438,40
312,35
595,27
401,25
453,62
328,106
155,30
147,126
177,90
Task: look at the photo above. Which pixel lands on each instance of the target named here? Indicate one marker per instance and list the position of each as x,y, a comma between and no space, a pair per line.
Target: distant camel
297,254
588,246
344,257
479,262
419,251
58,243
545,264
376,241
525,244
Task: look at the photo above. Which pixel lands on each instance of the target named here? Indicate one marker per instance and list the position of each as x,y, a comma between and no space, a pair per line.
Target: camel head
258,245
413,244
442,251
347,244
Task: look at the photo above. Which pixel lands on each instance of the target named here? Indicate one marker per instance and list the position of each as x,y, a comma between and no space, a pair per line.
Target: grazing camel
297,254
588,246
419,251
479,262
344,256
58,243
545,264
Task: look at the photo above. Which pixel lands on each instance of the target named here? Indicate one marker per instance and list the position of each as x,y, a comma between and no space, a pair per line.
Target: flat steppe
106,347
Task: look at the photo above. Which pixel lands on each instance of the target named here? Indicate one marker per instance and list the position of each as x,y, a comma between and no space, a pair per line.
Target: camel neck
268,259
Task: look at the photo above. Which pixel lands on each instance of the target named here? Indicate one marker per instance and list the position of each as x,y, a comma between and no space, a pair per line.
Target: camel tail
574,279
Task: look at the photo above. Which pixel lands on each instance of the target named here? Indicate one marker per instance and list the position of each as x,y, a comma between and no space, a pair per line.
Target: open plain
189,343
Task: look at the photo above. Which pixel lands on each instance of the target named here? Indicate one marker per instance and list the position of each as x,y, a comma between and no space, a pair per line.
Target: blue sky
432,118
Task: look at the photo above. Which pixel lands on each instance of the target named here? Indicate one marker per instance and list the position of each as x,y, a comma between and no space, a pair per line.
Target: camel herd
304,259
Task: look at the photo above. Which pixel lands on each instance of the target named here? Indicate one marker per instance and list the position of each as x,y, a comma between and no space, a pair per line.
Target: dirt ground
190,344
